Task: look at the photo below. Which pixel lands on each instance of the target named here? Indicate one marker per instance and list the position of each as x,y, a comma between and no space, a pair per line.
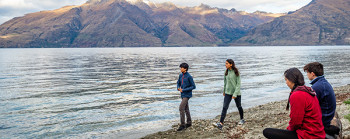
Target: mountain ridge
321,22
120,23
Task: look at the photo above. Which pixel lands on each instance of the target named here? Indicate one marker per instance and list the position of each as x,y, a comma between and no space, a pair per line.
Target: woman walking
232,90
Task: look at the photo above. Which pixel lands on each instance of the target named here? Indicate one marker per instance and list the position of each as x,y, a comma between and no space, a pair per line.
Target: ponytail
295,76
236,70
295,86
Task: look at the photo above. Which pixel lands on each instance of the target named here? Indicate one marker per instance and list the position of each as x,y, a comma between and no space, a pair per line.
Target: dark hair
294,75
184,65
314,67
233,67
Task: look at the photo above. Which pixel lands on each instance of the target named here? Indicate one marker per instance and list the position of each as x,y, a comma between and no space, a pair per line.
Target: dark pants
332,130
185,109
227,101
273,133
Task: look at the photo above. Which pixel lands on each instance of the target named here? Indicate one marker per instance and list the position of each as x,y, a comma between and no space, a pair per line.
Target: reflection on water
113,93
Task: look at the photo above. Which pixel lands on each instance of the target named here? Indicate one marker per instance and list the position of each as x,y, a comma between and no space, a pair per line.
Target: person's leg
273,133
187,111
239,106
182,110
332,130
227,101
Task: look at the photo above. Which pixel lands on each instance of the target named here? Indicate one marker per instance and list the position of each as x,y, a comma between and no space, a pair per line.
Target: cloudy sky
15,8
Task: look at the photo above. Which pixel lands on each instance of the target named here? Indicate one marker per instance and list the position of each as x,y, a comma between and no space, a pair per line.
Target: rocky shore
257,119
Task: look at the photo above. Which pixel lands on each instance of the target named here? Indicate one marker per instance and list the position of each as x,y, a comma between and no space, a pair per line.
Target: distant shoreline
257,118
185,46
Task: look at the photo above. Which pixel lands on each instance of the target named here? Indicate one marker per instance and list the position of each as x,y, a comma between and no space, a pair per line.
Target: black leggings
273,133
227,101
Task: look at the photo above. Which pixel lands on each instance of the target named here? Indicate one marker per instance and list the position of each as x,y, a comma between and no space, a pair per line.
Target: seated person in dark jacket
325,94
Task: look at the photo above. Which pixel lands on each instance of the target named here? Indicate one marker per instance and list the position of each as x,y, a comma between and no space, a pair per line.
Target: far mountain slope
322,22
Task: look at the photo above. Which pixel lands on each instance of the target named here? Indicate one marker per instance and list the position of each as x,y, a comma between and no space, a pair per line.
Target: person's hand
180,89
223,94
233,97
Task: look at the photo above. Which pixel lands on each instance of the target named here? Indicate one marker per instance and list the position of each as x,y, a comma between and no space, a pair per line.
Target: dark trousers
273,133
227,101
332,130
185,109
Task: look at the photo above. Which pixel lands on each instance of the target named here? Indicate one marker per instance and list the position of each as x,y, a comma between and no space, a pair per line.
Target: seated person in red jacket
305,112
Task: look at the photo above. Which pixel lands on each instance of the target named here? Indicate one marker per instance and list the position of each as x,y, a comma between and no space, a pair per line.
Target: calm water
131,92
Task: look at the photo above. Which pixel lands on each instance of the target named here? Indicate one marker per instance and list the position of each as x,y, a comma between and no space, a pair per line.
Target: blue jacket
187,85
326,98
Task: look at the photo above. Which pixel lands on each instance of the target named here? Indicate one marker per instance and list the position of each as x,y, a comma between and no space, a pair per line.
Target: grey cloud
3,19
13,11
246,5
9,10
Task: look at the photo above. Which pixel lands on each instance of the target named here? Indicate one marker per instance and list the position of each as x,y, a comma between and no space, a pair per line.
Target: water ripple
72,93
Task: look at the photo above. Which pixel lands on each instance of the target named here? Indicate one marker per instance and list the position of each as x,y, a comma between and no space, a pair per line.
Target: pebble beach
270,115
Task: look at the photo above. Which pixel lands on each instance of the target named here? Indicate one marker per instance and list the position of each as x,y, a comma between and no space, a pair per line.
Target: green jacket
232,84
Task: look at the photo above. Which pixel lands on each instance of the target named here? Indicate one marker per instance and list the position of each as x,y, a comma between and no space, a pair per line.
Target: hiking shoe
218,125
181,128
188,125
241,122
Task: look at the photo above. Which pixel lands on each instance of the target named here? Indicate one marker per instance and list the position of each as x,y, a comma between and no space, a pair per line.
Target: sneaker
188,125
241,122
181,128
218,125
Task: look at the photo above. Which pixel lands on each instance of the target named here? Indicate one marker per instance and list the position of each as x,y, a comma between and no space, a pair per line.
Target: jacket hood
303,88
306,89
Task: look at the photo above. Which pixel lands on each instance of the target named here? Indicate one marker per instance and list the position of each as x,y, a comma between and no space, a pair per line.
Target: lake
131,92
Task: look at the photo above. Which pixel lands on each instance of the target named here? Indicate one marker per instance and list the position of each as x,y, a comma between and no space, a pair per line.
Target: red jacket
305,114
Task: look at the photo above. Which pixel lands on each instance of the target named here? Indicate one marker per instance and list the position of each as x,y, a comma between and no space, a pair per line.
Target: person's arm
319,94
224,85
192,85
297,111
178,82
237,86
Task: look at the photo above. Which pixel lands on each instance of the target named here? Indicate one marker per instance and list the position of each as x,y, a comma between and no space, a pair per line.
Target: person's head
293,78
230,64
184,67
313,70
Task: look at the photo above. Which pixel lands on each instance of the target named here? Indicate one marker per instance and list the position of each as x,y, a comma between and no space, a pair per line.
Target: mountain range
321,22
121,23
